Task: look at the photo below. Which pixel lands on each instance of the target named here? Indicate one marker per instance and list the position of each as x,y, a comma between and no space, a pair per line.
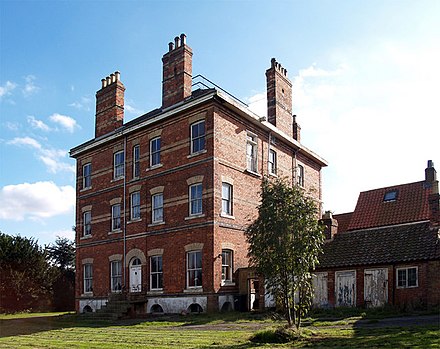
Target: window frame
228,264
154,209
300,173
197,269
87,178
88,278
199,139
406,284
252,156
118,167
116,218
114,278
136,161
155,152
227,200
272,162
156,273
135,207
87,223
197,201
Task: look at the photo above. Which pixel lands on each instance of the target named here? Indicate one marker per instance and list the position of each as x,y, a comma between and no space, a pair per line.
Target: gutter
228,101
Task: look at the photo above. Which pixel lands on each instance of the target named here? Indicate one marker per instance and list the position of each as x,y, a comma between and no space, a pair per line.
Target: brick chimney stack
177,72
331,225
279,98
431,182
109,105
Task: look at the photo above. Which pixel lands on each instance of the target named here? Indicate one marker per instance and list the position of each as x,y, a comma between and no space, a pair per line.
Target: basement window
390,196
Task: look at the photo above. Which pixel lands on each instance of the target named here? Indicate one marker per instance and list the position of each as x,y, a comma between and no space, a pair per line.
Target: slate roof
411,205
383,245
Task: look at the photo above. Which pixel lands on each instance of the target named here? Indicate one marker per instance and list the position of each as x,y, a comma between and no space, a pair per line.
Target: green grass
229,330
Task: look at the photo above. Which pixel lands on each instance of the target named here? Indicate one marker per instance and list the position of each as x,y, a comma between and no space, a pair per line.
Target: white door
346,288
376,287
136,276
320,297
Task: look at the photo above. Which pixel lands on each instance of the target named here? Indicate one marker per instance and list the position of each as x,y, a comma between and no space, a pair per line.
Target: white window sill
115,231
201,215
225,215
85,237
197,153
85,189
273,174
87,294
196,289
135,220
405,287
227,283
117,179
154,167
155,224
255,174
155,292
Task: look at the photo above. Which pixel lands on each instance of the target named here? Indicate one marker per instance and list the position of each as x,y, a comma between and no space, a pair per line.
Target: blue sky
365,86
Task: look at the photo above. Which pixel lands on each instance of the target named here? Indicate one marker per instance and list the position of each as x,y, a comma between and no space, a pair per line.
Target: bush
274,335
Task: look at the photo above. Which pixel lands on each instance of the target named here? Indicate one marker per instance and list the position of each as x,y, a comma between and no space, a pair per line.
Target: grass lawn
231,330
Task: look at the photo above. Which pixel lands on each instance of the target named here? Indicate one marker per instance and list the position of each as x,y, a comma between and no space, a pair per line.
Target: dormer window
390,196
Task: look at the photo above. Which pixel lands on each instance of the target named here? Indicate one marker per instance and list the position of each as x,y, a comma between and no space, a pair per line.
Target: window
135,205
227,265
300,175
197,137
118,165
251,152
227,199
87,220
272,162
407,277
116,217
87,175
88,278
116,276
156,274
157,207
195,199
390,196
136,163
155,151
194,269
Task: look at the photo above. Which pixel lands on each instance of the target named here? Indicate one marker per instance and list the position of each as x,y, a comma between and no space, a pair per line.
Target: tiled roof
411,205
343,220
398,243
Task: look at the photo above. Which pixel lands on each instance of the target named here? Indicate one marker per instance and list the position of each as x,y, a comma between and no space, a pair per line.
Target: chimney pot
113,77
103,83
117,75
182,39
177,42
272,62
170,46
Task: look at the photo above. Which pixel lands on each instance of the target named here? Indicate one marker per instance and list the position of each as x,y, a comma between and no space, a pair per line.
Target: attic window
390,196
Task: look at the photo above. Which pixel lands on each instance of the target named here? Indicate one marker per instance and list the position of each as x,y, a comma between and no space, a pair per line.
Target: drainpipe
125,212
294,169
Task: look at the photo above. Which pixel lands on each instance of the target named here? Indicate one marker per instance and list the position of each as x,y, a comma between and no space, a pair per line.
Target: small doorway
376,287
253,294
135,275
346,288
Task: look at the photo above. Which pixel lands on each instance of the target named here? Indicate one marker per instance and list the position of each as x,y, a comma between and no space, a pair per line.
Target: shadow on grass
30,325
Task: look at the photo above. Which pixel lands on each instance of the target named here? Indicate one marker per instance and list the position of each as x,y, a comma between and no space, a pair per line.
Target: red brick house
163,200
386,252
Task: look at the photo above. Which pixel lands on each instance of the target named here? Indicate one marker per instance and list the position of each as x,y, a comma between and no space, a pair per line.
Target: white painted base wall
176,305
92,303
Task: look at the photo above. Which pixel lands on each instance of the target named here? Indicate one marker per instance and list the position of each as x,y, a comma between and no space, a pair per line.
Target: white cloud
12,126
29,87
7,88
37,124
258,103
132,110
65,122
52,158
83,104
35,201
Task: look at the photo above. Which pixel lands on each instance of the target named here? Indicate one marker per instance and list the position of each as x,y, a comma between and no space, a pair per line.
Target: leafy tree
62,254
284,243
26,275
